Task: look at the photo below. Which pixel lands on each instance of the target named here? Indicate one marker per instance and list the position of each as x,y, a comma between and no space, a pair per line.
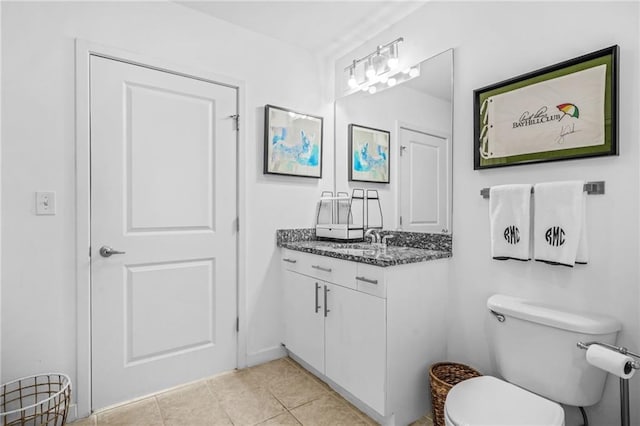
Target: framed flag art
564,111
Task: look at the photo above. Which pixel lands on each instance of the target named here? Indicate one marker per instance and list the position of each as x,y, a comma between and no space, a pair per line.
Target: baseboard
266,355
72,414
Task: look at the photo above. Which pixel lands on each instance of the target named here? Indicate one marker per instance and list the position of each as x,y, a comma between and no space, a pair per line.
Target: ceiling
328,29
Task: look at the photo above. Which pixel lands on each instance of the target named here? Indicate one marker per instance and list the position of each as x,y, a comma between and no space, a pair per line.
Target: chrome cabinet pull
106,251
321,268
326,310
289,260
367,280
317,306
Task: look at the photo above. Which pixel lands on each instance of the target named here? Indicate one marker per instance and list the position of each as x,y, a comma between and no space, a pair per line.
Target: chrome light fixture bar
377,66
379,70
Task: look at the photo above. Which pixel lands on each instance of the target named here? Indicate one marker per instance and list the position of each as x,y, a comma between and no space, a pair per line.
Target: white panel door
304,318
425,182
356,344
163,191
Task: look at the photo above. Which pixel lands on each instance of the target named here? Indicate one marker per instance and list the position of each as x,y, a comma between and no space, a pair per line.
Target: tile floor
279,392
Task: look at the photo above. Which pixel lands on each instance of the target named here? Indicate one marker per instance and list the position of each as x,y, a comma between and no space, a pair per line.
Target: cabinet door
304,318
355,342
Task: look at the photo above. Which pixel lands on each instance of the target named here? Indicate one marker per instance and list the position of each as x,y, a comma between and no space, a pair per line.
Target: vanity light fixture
388,80
377,66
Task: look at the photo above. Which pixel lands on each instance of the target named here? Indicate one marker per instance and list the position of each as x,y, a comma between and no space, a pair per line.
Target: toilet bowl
489,401
534,348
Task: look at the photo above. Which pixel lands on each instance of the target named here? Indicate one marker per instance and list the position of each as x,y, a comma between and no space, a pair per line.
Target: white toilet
535,351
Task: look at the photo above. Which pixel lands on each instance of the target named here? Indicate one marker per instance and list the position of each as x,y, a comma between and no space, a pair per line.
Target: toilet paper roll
611,361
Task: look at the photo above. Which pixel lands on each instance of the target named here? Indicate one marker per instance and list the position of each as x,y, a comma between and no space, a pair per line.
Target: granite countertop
366,253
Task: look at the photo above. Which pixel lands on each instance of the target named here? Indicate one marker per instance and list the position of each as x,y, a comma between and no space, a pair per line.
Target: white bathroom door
163,192
425,181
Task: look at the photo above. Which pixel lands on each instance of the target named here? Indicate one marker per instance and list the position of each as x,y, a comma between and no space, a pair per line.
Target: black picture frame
378,169
523,90
292,143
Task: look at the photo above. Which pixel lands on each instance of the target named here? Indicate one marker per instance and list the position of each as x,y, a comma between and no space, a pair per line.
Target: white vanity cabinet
334,328
368,331
355,344
304,318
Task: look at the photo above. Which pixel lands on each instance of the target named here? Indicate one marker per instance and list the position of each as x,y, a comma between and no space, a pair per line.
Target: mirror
418,114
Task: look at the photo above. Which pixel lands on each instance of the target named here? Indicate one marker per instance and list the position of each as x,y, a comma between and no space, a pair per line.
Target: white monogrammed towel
559,223
509,215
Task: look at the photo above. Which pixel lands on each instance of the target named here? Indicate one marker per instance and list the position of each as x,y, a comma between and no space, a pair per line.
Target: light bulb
392,62
383,78
365,89
414,72
406,71
392,82
352,82
373,89
369,71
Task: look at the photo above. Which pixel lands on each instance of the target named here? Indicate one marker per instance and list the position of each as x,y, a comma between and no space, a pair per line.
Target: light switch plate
45,203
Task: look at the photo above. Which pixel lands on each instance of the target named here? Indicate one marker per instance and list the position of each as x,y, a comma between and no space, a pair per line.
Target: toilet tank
534,347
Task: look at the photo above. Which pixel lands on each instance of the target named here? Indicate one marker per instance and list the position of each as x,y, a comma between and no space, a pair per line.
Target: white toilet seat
488,401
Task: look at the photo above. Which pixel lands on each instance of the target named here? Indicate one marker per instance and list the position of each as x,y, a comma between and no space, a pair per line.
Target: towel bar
592,188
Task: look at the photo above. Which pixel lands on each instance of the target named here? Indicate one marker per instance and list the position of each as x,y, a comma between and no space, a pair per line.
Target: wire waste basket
37,400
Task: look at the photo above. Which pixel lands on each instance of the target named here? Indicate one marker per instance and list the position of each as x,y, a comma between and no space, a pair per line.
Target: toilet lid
487,401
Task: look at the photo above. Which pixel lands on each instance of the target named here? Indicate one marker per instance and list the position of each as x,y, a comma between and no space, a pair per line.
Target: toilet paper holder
625,419
624,351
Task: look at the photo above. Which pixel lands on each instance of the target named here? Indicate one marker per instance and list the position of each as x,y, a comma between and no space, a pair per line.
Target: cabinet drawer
292,260
332,270
371,279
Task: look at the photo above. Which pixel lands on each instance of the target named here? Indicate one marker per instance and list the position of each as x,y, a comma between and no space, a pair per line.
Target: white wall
493,42
383,111
0,194
38,282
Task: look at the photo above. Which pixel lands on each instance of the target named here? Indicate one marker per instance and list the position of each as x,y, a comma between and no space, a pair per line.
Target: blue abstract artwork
369,151
293,143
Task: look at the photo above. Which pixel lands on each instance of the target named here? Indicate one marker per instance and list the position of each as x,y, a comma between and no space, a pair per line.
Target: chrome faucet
374,234
386,238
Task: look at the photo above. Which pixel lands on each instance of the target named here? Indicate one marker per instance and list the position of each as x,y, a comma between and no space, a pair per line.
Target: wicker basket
443,376
35,400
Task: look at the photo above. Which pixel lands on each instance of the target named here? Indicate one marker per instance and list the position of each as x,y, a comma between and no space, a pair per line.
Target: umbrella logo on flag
568,109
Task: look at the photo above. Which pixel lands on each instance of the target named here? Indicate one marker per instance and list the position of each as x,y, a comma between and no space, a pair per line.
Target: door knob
106,251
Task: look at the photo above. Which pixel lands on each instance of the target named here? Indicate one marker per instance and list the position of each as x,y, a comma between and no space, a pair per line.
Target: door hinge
236,117
402,148
89,251
237,224
237,324
400,220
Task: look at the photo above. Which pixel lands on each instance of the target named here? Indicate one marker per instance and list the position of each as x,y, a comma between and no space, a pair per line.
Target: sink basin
376,250
357,251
